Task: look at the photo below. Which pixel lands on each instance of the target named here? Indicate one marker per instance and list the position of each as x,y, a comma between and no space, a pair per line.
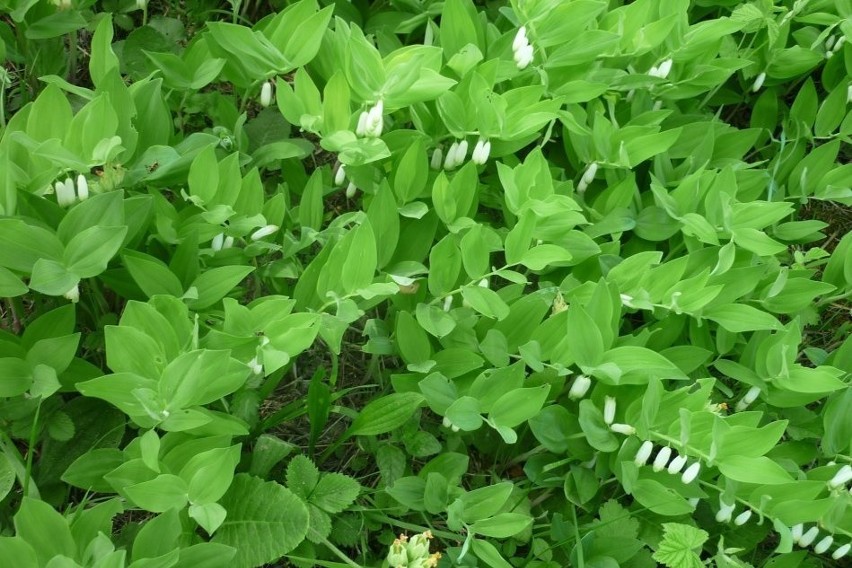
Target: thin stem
31,448
337,552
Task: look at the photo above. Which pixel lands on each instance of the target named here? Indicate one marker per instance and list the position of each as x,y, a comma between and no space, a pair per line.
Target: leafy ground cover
413,283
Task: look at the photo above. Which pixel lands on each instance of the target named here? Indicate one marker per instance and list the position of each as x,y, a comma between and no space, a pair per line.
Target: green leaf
335,492
485,301
44,529
152,275
760,470
102,59
262,513
215,283
681,546
503,525
738,318
160,494
89,252
385,414
517,406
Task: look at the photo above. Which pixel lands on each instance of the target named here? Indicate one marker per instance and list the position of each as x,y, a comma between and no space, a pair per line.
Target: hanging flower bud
693,501
266,94
141,4
823,545
625,429
725,511
677,464
580,387
691,473
82,188
842,477
589,175
609,409
461,152
481,152
664,69
229,242
218,242
520,39
264,232
662,458
448,303
255,366
350,190
653,71
841,551
437,158
361,129
742,518
375,120
748,398
340,175
809,536
73,294
796,532
643,453
758,82
64,194
450,161
524,56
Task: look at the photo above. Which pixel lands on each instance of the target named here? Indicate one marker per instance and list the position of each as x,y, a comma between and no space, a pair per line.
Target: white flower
524,56
266,94
822,546
643,453
829,42
589,174
625,429
82,188
73,294
481,152
229,242
141,4
483,283
677,464
361,129
461,152
350,190
691,473
664,69
748,398
609,409
264,232
758,82
725,511
742,518
64,193
255,366
662,458
450,161
437,158
375,120
520,39
841,551
218,242
693,501
849,94
657,105
653,71
842,477
809,537
796,532
448,303
62,4
340,175
580,387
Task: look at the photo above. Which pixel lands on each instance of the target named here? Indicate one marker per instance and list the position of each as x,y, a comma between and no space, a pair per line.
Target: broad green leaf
385,414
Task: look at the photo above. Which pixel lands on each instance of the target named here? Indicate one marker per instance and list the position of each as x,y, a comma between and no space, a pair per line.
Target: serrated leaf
335,492
679,544
265,514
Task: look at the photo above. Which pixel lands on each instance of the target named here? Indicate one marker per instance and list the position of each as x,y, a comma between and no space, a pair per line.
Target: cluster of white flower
521,48
662,70
413,552
664,460
340,178
833,45
455,155
588,177
805,538
266,94
371,122
67,195
726,512
221,242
